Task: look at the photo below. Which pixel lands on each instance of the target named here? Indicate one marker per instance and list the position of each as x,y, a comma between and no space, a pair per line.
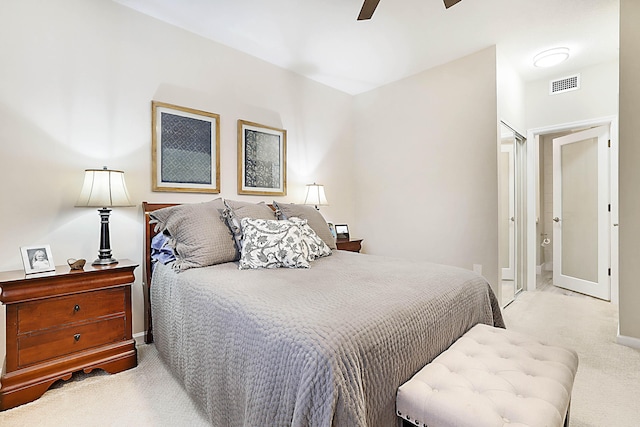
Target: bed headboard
147,236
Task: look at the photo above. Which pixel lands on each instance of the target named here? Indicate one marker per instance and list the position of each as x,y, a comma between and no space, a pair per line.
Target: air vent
565,84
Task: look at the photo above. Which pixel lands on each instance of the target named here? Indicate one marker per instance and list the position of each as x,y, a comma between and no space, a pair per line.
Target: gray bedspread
325,346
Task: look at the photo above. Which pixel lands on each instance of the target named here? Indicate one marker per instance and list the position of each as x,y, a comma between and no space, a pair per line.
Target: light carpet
606,391
147,395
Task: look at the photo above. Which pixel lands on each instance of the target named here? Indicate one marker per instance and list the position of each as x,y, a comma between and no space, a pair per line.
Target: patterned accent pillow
312,215
199,236
234,212
316,247
272,244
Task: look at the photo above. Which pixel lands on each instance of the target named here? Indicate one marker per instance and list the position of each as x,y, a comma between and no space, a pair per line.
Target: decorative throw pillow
272,244
316,247
313,217
234,212
161,250
198,234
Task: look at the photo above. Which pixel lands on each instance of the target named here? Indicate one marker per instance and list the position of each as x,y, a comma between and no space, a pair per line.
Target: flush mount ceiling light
551,57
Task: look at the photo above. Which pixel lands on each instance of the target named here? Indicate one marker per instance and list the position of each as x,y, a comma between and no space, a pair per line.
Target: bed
321,346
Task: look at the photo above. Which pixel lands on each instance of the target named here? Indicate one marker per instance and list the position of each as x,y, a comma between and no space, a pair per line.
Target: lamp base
104,254
105,261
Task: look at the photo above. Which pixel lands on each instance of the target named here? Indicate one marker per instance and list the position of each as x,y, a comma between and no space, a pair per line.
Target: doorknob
512,219
556,219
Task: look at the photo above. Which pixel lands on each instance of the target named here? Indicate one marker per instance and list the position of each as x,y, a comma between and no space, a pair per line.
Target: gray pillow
198,234
314,218
234,212
251,210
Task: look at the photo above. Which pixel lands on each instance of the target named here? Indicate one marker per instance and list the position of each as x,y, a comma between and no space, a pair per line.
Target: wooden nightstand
353,245
64,321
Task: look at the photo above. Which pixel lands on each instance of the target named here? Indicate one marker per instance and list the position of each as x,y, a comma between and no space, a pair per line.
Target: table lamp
104,188
315,195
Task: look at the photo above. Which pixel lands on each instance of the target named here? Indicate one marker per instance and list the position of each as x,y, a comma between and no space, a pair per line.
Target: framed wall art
185,149
262,159
37,259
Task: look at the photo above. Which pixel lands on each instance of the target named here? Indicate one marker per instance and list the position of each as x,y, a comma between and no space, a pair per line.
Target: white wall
629,173
511,95
597,97
76,84
426,165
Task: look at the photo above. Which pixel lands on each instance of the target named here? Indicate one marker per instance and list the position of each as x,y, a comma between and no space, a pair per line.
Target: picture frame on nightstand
342,231
37,259
332,229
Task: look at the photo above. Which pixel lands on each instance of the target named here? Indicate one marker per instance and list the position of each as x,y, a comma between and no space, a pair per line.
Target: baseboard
628,341
139,337
548,266
539,269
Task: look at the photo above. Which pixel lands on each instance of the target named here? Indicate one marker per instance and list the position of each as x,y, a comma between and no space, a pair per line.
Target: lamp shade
315,195
104,188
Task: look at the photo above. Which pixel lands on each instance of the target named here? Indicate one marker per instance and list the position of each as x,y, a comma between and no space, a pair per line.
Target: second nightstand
353,245
65,321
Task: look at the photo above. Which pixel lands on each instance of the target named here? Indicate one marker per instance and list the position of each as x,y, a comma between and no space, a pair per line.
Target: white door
580,212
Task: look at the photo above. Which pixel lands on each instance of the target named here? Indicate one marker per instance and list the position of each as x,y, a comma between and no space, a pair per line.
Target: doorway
512,216
569,243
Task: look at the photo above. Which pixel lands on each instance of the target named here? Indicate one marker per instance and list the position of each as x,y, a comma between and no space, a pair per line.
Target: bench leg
566,417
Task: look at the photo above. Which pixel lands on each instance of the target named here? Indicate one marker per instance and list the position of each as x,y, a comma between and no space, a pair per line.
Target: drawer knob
76,337
76,308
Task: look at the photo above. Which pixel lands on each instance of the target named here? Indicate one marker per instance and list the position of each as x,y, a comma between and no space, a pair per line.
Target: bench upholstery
491,377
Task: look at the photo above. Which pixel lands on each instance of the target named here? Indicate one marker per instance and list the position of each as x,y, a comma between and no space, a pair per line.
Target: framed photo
37,259
185,148
332,229
262,159
342,231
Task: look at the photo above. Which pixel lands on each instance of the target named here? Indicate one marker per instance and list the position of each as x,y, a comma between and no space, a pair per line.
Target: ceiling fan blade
449,3
368,8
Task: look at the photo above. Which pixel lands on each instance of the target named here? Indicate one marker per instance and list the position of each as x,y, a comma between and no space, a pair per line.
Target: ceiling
322,40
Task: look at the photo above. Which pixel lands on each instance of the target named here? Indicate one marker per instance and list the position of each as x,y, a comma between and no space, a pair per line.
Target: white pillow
316,247
272,244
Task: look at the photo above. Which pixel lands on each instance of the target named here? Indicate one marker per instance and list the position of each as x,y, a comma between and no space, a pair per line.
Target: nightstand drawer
59,311
34,348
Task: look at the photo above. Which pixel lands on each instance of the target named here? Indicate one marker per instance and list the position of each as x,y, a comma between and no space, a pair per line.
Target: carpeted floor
147,395
606,392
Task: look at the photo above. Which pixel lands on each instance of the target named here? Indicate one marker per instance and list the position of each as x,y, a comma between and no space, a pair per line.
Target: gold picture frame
185,148
262,159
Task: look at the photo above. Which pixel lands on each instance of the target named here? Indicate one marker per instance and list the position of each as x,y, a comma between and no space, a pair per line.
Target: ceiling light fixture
551,57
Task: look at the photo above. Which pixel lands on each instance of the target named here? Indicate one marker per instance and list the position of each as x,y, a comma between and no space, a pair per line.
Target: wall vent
565,84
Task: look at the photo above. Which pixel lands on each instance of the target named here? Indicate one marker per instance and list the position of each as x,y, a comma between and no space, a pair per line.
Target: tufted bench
491,377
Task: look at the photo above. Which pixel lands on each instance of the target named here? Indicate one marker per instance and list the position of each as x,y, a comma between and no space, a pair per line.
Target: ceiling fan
369,7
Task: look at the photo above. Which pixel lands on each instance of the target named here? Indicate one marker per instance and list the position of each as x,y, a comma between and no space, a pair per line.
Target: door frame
532,182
